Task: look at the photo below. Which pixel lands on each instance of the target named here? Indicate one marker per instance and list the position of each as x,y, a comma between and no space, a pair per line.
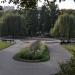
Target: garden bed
37,52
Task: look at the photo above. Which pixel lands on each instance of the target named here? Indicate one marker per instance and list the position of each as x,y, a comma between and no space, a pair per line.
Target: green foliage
44,20
34,21
12,25
36,52
1,14
54,12
64,26
31,21
68,68
26,22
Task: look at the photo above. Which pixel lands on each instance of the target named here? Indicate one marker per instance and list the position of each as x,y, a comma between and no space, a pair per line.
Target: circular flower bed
37,52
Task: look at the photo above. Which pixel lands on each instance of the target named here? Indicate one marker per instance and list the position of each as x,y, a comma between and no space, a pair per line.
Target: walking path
8,66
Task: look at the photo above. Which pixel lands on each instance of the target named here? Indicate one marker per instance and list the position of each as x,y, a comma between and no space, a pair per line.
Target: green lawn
70,48
4,44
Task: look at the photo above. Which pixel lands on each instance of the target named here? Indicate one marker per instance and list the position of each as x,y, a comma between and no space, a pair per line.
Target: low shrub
68,68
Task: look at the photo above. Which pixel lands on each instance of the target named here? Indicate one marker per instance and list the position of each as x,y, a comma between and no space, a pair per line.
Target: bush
38,52
68,68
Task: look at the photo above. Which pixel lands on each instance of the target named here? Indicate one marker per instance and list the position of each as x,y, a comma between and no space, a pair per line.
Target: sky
68,4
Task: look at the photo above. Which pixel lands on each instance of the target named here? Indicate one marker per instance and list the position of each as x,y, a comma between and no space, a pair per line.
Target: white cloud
68,4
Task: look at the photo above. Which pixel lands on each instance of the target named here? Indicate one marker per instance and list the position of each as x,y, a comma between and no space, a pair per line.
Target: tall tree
1,11
12,25
47,17
31,21
54,12
64,26
45,23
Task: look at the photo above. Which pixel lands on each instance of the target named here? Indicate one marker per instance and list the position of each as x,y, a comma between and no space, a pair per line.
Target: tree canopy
29,3
64,26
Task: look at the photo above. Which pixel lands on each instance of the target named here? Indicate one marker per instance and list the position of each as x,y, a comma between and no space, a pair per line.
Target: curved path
8,66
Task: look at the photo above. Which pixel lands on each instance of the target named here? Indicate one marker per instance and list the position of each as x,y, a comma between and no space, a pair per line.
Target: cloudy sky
68,4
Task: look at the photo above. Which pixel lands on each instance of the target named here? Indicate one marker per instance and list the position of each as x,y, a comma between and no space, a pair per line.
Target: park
37,40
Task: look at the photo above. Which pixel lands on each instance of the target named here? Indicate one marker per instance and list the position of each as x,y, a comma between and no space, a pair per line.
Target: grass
37,52
68,68
70,48
4,44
